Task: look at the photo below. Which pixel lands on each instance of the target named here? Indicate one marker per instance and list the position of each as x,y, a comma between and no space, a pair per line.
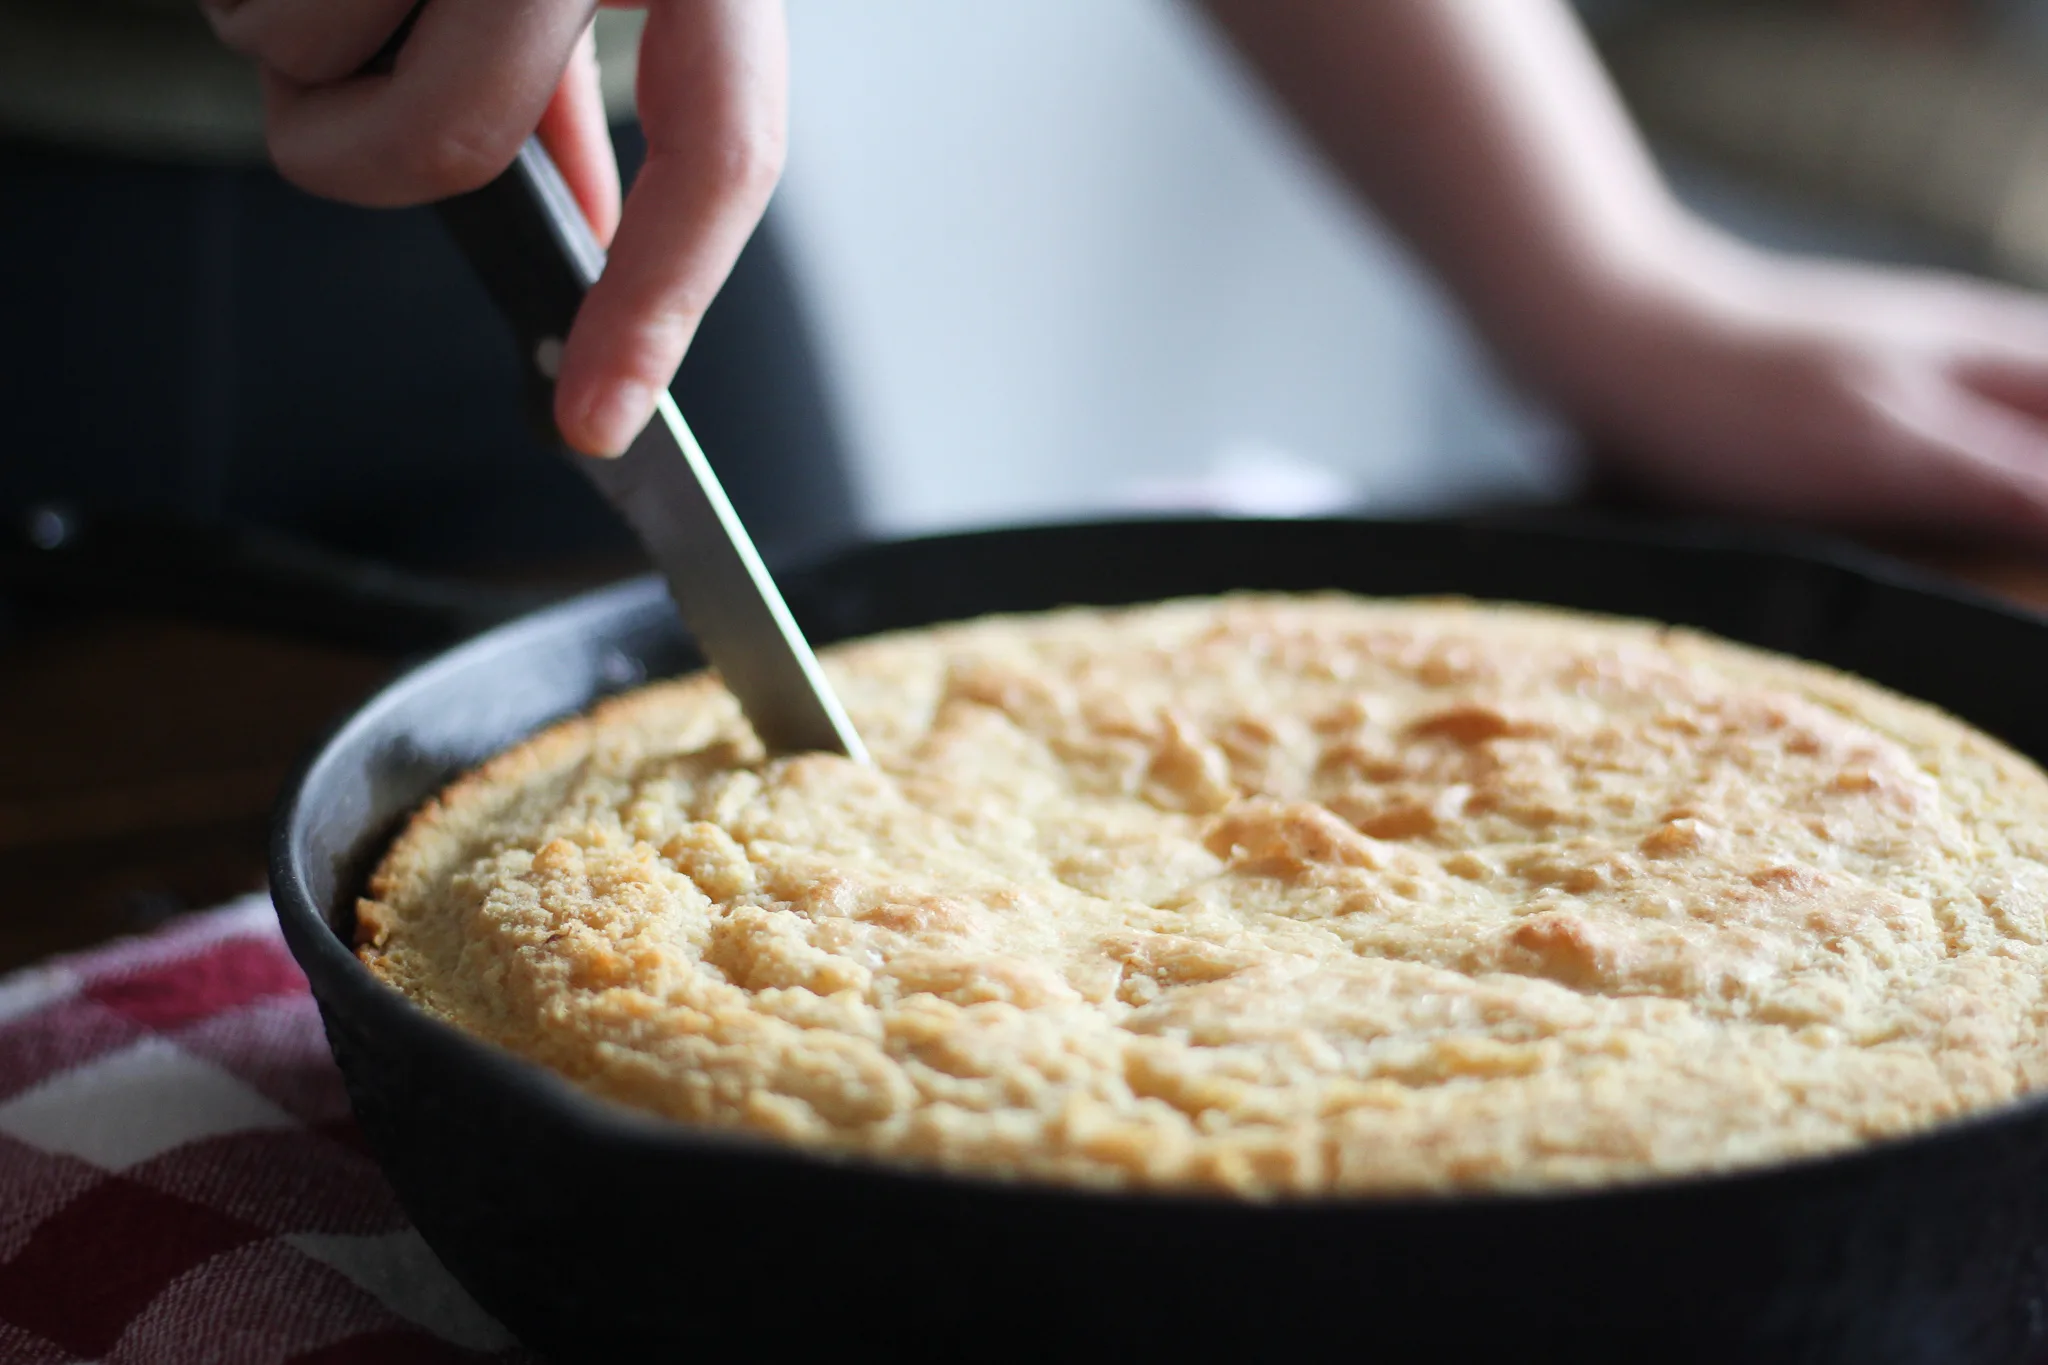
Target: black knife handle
527,239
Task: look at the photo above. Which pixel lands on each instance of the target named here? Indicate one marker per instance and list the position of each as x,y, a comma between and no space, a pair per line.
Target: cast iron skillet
600,1234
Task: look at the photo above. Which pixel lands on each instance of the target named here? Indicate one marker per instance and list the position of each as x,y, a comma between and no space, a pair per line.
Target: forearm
1487,134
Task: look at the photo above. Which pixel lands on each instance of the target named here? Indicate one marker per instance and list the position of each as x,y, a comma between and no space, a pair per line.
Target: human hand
1487,133
1863,398
474,78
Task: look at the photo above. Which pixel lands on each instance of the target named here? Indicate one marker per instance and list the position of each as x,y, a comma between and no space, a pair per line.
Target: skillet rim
331,966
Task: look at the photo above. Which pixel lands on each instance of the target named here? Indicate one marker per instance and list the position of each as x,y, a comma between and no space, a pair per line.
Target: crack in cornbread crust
1267,895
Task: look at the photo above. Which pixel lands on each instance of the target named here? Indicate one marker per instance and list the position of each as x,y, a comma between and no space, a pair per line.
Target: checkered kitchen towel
180,1179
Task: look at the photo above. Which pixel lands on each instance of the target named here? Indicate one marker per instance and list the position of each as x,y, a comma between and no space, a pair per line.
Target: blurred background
1029,261
1064,257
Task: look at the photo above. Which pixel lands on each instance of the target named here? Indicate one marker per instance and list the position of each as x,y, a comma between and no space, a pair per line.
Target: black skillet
600,1234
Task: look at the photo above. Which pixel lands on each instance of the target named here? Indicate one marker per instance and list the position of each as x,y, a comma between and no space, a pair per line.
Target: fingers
470,84
575,132
713,78
474,78
308,42
2012,382
1979,463
2000,347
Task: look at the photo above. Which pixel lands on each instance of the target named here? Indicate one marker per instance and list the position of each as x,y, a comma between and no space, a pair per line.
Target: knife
528,241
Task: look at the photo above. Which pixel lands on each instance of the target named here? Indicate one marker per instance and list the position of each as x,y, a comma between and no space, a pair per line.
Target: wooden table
139,759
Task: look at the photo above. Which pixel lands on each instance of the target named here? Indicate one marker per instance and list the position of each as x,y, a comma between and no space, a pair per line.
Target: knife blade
528,241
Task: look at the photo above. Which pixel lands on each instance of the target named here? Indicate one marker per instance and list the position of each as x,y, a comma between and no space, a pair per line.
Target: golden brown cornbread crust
1261,894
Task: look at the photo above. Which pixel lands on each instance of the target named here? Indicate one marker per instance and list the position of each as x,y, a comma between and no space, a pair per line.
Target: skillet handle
525,236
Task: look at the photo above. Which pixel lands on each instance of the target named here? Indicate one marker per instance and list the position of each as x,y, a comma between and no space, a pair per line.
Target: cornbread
1264,895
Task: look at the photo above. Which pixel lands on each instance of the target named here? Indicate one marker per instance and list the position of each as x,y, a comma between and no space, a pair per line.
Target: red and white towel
180,1178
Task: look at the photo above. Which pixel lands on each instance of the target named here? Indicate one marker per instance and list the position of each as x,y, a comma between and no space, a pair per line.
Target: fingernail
617,416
